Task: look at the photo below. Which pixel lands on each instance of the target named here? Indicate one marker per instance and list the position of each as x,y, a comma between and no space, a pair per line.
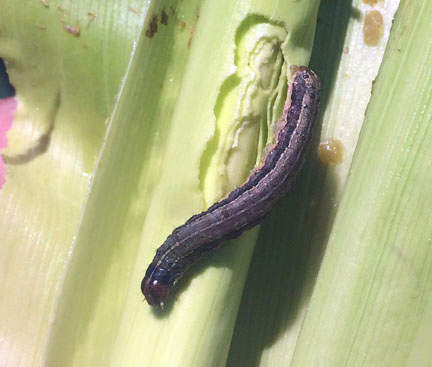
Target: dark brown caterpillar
248,204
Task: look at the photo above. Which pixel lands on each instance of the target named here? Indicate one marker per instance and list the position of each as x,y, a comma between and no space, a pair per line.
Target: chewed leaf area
29,150
242,107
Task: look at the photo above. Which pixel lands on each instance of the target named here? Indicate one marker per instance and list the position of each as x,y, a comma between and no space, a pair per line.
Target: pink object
8,107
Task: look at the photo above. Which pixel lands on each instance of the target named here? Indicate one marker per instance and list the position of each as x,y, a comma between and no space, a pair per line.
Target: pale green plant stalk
186,129
371,303
179,139
291,243
65,84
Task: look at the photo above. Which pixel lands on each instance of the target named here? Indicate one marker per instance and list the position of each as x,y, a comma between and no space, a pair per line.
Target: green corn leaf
292,242
176,127
197,106
66,86
371,303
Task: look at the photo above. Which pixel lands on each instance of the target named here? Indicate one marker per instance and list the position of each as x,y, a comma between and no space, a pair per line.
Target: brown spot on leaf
370,2
91,15
45,3
74,30
164,18
373,28
153,27
133,10
192,31
330,152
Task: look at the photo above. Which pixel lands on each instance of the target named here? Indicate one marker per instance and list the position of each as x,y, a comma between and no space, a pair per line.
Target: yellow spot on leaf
373,28
330,152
